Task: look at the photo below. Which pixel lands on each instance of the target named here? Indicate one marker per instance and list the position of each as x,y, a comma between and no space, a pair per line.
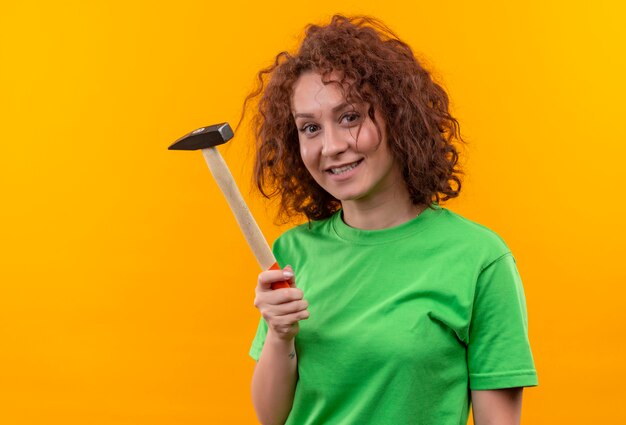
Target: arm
497,407
498,353
274,380
275,374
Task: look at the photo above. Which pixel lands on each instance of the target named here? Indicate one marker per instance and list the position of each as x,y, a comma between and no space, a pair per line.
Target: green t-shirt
403,321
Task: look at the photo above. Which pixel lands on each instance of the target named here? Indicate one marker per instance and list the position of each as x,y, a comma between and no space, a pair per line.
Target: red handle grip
279,285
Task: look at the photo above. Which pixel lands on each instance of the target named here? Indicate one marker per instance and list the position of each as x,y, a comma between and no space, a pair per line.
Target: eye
309,129
350,117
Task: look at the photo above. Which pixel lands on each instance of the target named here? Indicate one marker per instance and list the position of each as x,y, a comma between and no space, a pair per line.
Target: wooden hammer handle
244,217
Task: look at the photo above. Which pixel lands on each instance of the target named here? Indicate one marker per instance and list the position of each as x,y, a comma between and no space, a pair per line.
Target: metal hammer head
204,137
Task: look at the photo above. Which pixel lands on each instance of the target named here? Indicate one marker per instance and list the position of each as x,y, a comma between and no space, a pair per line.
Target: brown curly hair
378,69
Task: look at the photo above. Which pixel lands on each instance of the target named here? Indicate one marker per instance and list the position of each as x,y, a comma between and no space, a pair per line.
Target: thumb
292,280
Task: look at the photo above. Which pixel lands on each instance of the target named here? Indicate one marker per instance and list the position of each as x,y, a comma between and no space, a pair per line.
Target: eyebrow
335,109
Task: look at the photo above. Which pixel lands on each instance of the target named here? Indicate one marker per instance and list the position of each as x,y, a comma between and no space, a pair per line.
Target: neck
392,210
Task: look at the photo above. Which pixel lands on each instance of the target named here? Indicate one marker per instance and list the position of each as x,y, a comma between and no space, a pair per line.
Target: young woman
400,311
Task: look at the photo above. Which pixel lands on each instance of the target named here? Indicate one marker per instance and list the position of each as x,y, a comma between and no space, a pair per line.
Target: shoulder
303,235
305,229
479,238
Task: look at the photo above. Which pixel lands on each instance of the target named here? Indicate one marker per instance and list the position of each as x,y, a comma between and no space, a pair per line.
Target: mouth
344,168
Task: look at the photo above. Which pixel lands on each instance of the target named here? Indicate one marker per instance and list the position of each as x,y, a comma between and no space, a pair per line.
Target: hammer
206,139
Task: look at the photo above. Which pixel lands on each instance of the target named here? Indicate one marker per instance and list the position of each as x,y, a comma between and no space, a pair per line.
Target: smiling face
340,145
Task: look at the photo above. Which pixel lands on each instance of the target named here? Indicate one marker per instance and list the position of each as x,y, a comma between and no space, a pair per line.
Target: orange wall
125,287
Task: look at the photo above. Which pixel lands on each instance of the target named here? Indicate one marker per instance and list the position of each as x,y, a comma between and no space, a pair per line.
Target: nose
334,141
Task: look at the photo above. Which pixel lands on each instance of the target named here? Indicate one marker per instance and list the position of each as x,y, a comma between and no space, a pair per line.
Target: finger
266,278
291,281
279,296
287,308
289,319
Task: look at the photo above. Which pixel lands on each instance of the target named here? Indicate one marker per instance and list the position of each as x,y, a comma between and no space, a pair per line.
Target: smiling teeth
344,168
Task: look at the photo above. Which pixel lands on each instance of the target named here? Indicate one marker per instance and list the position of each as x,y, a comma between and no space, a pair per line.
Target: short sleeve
259,340
498,353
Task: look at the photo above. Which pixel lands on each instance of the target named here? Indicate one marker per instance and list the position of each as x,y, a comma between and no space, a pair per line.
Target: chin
344,197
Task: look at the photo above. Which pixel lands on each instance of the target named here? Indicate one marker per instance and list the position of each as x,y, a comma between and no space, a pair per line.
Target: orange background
125,286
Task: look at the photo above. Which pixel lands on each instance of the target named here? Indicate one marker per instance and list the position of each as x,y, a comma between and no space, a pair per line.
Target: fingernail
287,274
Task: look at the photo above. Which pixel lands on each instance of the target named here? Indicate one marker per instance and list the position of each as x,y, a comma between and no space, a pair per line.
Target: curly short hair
378,69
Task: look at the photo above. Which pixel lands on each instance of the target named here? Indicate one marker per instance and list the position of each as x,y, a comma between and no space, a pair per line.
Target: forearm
497,407
274,380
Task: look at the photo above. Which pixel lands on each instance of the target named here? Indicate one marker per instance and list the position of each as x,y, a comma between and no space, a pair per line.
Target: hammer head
204,137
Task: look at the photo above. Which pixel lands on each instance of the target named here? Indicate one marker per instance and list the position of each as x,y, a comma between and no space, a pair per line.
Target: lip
327,169
346,174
